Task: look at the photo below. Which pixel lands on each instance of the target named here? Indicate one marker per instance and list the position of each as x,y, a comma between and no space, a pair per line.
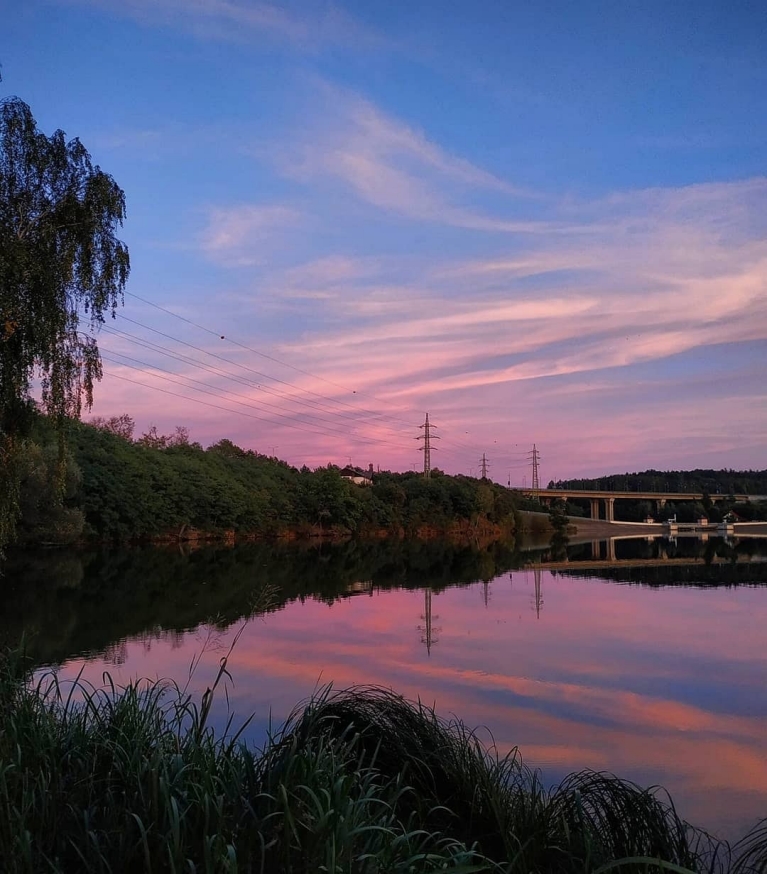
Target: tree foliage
122,426
713,482
47,511
62,268
160,486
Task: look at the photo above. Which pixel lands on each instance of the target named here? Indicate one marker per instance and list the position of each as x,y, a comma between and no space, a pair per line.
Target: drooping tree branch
60,262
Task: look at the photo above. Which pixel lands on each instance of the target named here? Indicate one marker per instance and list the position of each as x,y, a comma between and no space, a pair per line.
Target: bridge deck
635,496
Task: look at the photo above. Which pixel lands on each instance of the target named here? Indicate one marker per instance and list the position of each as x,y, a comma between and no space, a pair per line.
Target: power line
216,371
221,336
259,373
219,407
324,429
232,376
245,381
236,343
474,447
229,361
325,404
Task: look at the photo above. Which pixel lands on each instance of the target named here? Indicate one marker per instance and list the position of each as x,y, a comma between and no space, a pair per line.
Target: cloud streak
320,25
597,303
393,166
236,236
515,310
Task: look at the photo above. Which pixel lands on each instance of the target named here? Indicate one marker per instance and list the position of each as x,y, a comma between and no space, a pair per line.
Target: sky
538,223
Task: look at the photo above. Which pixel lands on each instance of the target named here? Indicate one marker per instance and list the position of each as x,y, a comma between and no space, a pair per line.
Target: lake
646,659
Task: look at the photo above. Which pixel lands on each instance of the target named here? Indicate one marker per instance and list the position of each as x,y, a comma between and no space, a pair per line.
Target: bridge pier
609,509
596,550
611,549
595,508
659,505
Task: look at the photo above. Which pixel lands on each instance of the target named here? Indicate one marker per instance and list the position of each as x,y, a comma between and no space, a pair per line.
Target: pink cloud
512,346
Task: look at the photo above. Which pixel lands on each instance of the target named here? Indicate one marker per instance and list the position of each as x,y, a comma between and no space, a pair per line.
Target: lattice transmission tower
429,631
484,464
538,598
535,458
427,437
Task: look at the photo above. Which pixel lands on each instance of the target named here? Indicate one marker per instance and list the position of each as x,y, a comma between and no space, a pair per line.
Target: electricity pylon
429,631
535,457
484,464
427,437
538,594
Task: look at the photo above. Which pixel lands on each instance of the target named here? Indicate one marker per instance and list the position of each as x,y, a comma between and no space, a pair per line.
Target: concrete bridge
546,496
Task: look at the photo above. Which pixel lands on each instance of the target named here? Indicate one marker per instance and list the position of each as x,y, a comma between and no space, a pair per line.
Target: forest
713,482
117,489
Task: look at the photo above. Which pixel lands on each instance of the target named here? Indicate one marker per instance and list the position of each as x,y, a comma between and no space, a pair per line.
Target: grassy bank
134,780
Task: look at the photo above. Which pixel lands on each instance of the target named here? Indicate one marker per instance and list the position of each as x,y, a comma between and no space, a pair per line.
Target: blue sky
538,222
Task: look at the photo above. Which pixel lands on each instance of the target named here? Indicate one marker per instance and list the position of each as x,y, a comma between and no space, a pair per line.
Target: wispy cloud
660,280
236,236
560,295
135,139
655,275
394,166
318,25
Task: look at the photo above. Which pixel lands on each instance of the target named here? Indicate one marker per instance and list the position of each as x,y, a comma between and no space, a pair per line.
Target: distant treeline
713,482
709,483
116,488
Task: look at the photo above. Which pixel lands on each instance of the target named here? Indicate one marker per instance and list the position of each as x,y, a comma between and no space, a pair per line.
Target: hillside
120,489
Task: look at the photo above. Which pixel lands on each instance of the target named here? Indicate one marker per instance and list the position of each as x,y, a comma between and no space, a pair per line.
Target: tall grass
134,779
501,807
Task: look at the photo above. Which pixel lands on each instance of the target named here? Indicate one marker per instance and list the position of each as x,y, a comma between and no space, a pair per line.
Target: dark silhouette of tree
122,426
62,269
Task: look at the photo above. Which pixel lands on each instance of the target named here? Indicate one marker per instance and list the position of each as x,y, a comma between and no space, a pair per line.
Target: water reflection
81,603
659,682
661,561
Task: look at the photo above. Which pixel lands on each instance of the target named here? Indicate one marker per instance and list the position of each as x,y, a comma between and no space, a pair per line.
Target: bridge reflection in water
686,549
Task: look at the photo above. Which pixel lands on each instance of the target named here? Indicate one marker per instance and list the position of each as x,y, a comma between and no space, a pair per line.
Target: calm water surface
654,669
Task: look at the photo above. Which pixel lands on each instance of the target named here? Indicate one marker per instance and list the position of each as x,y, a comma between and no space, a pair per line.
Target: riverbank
599,529
459,531
361,780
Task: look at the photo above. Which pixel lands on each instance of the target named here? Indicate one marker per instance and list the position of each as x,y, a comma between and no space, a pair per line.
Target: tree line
117,488
712,482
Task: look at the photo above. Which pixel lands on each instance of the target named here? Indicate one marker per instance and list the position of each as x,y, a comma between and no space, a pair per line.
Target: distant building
358,476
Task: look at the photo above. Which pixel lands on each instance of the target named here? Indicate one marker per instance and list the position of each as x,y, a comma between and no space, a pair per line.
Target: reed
134,779
498,805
